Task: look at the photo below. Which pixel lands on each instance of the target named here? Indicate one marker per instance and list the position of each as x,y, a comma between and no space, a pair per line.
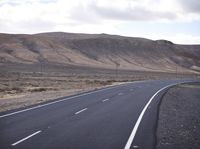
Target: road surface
117,117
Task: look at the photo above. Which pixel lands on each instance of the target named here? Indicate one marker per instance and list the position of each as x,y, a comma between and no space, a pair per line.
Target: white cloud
92,16
192,6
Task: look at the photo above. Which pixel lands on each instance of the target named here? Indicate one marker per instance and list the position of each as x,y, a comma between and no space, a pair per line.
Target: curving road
118,117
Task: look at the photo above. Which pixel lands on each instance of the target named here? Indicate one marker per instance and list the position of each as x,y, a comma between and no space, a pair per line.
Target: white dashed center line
81,111
105,100
120,94
26,138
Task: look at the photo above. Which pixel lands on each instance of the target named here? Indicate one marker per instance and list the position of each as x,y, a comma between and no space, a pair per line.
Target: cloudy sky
174,20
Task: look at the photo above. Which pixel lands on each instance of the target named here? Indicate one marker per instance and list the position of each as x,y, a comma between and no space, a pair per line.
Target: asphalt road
118,117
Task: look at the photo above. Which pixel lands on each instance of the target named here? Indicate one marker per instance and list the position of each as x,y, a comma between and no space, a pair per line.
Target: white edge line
105,100
43,105
81,111
133,133
26,138
120,94
67,98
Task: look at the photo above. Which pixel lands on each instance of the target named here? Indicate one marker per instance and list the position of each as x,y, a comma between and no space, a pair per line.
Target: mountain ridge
99,51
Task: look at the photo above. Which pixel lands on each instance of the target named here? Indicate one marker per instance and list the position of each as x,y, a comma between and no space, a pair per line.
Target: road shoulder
178,119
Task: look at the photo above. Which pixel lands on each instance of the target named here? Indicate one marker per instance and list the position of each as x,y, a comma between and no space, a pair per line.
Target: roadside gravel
179,118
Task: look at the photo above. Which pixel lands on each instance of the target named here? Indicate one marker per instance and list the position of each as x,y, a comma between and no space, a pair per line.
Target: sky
174,20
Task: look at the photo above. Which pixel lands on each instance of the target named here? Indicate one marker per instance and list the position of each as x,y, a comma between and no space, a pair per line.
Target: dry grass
22,92
24,88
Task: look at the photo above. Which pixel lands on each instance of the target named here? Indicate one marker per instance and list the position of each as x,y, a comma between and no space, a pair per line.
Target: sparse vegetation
30,86
40,67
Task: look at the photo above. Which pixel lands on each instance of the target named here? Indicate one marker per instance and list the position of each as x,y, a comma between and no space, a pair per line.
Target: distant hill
99,51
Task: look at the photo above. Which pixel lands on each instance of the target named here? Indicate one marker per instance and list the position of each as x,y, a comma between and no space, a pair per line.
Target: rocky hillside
99,51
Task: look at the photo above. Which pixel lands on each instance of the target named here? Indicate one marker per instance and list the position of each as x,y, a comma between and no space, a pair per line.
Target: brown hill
99,51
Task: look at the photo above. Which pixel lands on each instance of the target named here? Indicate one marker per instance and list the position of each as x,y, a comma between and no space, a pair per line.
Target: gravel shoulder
179,118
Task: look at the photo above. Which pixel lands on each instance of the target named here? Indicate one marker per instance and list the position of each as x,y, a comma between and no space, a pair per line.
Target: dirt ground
179,121
24,85
27,91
